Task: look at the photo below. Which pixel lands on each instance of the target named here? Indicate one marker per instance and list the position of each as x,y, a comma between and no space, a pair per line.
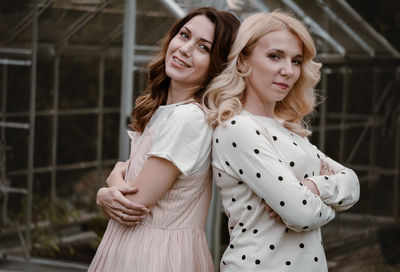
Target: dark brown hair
226,26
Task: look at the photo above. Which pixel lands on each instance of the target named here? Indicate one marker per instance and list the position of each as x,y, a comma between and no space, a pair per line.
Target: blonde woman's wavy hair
227,92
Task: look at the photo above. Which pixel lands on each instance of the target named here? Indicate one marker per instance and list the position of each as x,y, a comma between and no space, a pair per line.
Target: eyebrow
202,39
283,52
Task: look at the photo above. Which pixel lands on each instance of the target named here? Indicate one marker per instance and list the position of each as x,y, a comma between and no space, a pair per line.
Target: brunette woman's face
188,55
275,64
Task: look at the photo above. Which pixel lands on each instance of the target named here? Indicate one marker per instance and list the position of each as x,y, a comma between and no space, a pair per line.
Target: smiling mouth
178,61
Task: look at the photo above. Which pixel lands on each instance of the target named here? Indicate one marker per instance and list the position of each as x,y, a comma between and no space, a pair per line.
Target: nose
186,49
287,68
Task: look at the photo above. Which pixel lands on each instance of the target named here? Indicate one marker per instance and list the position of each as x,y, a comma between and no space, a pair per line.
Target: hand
311,186
114,205
117,175
272,213
326,170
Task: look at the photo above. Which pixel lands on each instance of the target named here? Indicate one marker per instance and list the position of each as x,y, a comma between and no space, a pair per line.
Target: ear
241,64
242,67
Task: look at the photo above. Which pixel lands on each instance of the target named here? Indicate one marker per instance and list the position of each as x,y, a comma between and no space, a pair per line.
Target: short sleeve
184,139
245,150
341,190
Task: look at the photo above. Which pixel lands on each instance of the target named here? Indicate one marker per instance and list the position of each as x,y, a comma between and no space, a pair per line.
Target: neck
178,93
259,107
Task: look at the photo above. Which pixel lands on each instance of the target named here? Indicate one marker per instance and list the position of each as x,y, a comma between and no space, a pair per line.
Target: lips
180,62
282,85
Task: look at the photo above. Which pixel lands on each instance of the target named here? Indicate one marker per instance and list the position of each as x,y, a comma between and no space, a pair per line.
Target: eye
273,56
297,61
184,35
204,48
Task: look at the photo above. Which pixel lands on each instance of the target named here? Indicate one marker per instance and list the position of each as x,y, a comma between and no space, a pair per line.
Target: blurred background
71,69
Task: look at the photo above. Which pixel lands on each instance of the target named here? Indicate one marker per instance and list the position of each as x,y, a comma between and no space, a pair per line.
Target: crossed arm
154,180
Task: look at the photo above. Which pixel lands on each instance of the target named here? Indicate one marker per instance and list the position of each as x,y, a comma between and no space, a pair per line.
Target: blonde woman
263,163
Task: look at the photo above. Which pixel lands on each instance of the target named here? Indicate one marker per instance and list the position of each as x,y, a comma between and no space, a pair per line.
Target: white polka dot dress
256,159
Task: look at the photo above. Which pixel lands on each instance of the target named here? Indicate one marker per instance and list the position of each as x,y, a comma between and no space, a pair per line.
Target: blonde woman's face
188,55
275,64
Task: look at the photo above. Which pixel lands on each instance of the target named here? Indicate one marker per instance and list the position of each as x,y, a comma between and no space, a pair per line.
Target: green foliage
98,225
46,239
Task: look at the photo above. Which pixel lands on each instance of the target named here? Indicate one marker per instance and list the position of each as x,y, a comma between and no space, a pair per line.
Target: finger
131,207
273,214
126,219
122,222
127,190
268,208
133,219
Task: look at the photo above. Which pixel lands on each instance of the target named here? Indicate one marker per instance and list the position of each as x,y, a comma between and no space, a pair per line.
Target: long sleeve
341,190
246,151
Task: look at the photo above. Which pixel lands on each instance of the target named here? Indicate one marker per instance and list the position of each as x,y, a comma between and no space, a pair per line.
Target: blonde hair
226,93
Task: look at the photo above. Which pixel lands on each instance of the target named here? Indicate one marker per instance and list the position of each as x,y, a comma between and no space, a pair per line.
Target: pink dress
172,236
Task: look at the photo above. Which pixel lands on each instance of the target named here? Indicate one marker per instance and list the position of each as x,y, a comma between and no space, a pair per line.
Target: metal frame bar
361,22
261,6
323,108
24,23
346,28
127,76
100,119
315,27
346,90
79,24
174,8
56,83
32,116
15,62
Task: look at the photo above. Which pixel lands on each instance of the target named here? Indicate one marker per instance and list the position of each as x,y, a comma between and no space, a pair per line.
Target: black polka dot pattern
272,247
247,159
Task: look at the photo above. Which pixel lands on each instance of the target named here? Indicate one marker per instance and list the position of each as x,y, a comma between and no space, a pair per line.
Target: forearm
153,185
117,175
339,189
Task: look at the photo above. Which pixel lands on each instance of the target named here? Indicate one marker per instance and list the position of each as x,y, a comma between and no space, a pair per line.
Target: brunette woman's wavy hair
226,26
